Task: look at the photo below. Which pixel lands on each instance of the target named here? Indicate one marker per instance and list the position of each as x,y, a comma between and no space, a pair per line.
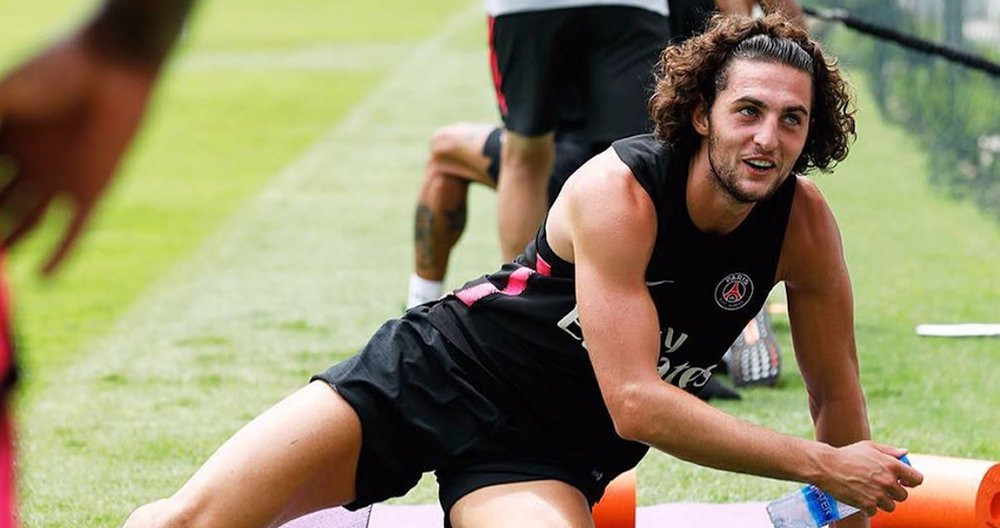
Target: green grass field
260,231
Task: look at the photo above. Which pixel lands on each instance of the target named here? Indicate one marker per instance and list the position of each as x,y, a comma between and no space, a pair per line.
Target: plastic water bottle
810,507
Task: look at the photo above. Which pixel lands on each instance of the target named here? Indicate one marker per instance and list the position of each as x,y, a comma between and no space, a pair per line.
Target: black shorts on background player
607,51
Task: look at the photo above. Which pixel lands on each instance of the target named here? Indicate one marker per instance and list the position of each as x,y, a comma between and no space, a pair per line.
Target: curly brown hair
695,72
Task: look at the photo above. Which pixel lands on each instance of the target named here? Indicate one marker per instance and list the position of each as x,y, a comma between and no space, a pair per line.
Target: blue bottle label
821,505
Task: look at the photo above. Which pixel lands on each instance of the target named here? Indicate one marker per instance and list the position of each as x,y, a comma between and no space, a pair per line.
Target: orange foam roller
616,509
956,493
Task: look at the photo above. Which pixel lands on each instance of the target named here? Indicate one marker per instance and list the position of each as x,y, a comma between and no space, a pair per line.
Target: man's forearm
842,423
683,426
839,424
140,32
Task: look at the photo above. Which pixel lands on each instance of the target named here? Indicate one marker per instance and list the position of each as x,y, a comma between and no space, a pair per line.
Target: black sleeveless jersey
521,326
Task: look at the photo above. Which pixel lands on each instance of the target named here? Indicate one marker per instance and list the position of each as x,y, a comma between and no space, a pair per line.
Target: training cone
956,493
616,509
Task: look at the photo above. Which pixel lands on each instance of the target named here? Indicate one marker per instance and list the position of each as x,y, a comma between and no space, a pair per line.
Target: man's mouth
759,164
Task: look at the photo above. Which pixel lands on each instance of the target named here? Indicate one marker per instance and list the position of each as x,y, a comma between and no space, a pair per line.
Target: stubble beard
727,179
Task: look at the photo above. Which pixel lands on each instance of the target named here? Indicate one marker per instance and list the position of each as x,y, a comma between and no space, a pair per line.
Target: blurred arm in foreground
68,114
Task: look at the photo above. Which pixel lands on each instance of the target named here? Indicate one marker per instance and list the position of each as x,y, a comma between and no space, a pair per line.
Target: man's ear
699,117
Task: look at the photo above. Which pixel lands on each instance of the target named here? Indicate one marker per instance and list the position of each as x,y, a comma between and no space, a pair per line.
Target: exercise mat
334,518
616,509
674,515
956,493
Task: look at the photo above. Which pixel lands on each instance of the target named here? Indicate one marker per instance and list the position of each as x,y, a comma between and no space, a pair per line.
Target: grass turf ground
261,231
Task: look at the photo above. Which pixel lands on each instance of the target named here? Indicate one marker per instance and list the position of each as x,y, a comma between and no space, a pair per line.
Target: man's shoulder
603,203
605,184
809,205
812,235
604,173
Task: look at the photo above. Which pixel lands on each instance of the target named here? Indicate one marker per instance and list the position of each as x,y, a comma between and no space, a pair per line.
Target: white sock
423,290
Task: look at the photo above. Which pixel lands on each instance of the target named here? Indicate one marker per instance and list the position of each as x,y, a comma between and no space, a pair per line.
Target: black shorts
421,408
573,149
602,55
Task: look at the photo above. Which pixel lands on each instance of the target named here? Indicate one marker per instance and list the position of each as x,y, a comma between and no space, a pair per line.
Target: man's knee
166,513
446,141
153,515
459,140
547,503
456,153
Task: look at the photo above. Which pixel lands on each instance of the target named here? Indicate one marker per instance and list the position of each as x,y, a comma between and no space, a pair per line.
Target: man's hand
66,118
869,476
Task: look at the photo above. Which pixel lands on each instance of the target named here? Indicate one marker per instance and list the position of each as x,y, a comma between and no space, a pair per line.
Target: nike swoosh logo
659,282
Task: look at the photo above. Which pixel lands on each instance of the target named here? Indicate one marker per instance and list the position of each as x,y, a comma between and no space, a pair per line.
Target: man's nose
766,136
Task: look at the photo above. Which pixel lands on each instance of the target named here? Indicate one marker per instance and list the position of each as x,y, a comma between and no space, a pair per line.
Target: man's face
757,128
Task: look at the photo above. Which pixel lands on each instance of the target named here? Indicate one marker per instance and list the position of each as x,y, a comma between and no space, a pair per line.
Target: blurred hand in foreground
66,118
67,115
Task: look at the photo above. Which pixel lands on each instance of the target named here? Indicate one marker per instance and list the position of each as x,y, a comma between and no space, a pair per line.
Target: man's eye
793,119
748,111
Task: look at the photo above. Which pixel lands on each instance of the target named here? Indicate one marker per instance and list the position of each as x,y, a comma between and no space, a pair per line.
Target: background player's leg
541,503
522,192
456,158
299,456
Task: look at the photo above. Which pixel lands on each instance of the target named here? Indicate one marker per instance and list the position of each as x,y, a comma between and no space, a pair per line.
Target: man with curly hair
464,153
529,389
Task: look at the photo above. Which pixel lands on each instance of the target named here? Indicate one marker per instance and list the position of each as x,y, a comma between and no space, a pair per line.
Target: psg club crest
734,291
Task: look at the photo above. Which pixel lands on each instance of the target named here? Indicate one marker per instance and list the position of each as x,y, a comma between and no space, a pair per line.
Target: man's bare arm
822,319
611,226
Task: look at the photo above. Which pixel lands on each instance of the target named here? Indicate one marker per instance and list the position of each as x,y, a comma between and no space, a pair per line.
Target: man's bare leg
541,503
525,165
299,456
456,159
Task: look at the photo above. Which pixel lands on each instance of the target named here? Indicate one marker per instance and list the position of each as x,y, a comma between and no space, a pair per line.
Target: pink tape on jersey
518,281
470,295
543,267
516,285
